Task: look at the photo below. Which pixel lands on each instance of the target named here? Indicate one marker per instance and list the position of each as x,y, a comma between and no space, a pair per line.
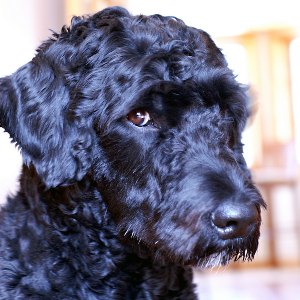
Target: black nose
234,220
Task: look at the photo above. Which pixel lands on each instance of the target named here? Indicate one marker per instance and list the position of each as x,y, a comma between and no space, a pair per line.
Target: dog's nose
234,220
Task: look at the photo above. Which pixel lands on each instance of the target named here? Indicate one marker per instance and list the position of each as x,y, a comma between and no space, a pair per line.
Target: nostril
222,219
234,220
231,224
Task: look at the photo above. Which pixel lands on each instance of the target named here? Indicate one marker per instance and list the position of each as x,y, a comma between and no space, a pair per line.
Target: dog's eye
139,117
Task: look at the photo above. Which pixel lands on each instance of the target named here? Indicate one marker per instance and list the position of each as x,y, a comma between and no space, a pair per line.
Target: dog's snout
234,220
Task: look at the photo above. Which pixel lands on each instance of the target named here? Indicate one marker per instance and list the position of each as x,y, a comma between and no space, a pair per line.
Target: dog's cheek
126,151
179,218
133,207
131,201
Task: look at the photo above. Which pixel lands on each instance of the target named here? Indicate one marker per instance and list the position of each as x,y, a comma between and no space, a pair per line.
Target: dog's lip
229,233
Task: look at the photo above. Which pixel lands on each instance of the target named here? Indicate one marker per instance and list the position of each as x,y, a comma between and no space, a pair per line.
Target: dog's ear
34,110
42,104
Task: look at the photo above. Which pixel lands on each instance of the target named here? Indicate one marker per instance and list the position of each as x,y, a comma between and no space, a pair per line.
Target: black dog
130,130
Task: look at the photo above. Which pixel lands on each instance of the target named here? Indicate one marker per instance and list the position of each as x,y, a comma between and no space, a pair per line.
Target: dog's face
147,107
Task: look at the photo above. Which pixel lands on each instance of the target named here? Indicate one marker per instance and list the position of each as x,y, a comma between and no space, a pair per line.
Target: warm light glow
295,74
237,62
223,18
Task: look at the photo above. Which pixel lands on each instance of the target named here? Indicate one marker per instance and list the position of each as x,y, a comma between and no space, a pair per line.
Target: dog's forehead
159,98
157,62
147,48
158,80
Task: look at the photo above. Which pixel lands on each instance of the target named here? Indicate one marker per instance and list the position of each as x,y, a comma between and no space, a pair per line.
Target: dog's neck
75,211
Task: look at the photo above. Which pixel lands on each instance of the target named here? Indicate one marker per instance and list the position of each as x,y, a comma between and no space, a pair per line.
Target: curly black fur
108,209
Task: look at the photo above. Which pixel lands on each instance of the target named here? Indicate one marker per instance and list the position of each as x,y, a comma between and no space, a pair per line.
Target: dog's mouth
235,249
204,250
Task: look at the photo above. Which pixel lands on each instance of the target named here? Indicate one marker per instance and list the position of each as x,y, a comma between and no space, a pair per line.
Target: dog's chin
234,250
224,256
203,255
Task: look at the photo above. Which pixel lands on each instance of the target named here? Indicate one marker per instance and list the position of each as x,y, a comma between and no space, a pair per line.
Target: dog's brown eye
139,117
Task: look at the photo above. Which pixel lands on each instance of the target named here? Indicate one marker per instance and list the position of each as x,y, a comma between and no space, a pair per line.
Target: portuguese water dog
130,132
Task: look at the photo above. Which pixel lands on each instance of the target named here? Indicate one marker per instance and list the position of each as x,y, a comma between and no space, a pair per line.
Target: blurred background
261,39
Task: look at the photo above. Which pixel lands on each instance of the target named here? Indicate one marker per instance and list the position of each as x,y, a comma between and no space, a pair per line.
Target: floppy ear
34,104
43,106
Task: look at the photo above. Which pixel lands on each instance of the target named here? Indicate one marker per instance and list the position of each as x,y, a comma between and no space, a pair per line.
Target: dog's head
148,107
